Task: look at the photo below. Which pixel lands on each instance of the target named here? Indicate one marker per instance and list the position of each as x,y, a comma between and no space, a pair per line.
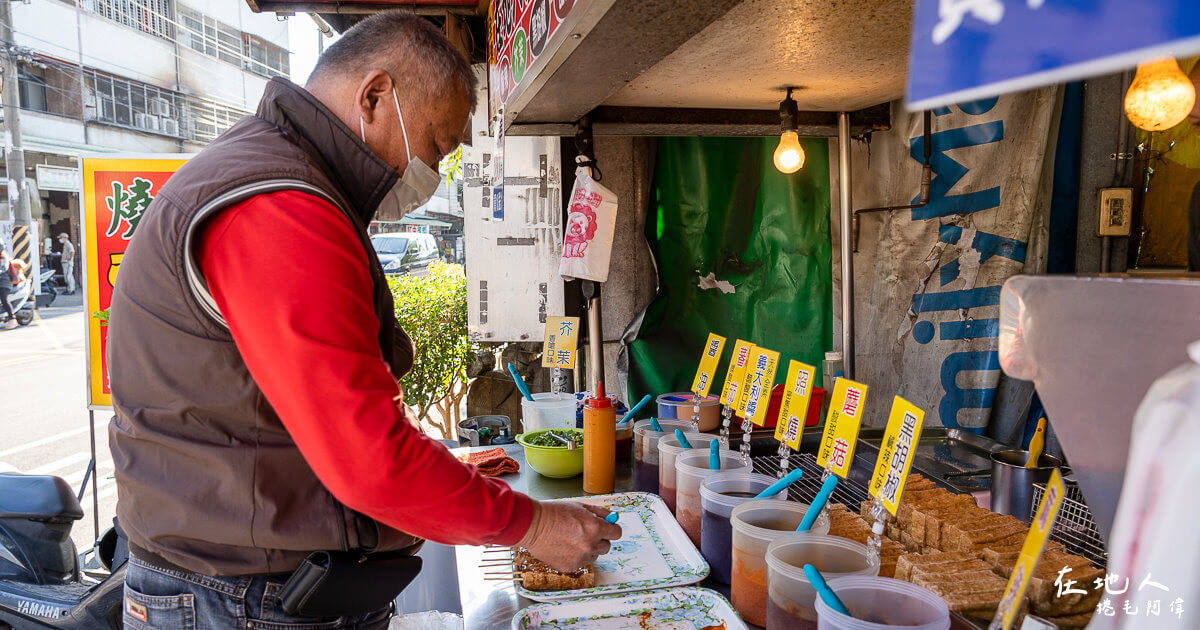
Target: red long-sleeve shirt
291,278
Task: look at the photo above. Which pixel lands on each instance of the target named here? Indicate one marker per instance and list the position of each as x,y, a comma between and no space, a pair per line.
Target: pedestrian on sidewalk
6,286
68,262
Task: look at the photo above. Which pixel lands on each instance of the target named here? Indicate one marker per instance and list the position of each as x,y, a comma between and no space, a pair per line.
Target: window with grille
205,34
143,107
264,58
147,16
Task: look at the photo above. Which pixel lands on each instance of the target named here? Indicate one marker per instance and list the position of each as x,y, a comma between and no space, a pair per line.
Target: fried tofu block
906,562
1043,593
973,535
1002,557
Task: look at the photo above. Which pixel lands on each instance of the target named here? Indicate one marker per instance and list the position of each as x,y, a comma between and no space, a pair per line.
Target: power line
74,71
233,98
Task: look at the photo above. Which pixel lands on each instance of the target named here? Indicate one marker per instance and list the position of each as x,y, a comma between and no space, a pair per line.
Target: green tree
433,309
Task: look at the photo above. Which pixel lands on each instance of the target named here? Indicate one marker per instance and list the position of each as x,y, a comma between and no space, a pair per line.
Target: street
44,428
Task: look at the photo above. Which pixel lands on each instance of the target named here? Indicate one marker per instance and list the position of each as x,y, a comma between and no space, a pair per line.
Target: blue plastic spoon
655,425
612,517
512,369
714,455
774,488
818,504
636,408
683,441
826,594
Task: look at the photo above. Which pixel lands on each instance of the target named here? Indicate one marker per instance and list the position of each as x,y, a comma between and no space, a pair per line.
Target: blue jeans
163,599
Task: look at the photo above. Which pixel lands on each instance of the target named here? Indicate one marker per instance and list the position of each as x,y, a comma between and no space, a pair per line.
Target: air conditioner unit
152,123
170,126
160,106
139,120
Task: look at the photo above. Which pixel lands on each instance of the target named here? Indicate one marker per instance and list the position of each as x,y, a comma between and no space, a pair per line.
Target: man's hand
568,535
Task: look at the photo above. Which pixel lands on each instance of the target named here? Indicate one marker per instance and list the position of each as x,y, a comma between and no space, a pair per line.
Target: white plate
688,608
653,552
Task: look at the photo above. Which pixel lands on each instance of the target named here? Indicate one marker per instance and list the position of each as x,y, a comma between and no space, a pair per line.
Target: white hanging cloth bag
591,222
1153,578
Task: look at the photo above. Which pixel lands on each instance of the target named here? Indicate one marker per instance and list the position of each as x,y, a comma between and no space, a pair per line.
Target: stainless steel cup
1012,482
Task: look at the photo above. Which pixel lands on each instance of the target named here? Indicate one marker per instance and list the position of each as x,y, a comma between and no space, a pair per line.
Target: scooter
22,304
41,584
49,292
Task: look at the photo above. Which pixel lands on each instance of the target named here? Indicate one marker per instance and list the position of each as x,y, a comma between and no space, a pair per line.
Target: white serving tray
687,608
653,552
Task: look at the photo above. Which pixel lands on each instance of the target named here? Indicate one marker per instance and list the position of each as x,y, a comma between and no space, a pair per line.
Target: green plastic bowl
551,461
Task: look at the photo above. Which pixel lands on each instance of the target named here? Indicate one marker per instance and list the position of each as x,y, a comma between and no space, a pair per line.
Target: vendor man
254,356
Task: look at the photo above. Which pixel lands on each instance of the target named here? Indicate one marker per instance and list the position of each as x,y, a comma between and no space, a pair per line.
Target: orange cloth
492,462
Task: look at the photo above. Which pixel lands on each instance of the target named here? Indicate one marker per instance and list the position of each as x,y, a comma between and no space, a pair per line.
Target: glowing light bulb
1160,96
789,156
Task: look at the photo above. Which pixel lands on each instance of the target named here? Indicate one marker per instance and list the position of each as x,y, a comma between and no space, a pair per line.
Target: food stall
929,218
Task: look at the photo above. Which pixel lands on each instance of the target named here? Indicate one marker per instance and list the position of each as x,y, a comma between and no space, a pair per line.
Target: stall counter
491,605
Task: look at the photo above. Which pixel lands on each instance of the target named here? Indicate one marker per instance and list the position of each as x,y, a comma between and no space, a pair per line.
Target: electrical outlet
1116,209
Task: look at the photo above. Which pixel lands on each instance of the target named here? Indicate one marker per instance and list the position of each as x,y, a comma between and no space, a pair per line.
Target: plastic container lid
695,464
684,399
599,400
669,444
833,556
879,603
711,489
753,517
644,428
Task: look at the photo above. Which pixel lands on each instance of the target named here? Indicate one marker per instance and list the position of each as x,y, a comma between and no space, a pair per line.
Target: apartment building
132,76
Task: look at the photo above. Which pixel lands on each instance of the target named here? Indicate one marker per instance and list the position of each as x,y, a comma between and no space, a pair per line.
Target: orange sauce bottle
599,443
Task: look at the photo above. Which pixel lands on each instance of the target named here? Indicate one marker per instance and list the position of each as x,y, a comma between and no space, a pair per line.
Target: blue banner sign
964,50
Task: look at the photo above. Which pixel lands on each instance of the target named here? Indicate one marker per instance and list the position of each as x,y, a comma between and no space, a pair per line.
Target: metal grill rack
848,492
1075,526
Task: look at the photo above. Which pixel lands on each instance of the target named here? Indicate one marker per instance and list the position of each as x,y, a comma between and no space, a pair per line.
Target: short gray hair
416,54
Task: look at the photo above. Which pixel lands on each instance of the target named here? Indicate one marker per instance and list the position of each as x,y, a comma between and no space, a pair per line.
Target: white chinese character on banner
1065,588
952,12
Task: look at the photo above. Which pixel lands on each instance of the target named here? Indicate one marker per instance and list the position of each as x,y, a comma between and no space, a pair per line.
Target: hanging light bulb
789,155
1160,96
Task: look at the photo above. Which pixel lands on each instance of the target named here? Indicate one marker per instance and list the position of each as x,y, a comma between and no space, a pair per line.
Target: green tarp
722,208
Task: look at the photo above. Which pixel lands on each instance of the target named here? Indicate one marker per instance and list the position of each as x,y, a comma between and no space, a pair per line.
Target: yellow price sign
1031,551
755,396
562,340
737,371
896,453
797,392
708,365
841,426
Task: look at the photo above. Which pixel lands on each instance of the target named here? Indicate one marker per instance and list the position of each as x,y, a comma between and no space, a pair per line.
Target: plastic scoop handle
714,455
612,517
636,408
818,504
823,591
1037,443
683,441
655,425
774,488
512,369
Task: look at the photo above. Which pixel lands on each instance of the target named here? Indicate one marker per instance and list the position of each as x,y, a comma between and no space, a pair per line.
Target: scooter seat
37,496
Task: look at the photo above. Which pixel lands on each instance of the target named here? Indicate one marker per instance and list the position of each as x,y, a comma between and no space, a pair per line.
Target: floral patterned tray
653,552
687,608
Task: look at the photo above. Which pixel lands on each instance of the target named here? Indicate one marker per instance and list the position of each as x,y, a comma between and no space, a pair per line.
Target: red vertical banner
116,193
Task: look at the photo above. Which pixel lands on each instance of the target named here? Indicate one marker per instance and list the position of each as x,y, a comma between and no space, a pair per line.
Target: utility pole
14,155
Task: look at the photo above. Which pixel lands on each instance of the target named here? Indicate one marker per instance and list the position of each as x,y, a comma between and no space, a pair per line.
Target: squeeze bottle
599,443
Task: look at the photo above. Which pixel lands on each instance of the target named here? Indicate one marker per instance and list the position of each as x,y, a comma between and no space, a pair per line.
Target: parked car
405,253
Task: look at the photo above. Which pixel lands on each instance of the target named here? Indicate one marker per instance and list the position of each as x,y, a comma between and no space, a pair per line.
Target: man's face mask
416,185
